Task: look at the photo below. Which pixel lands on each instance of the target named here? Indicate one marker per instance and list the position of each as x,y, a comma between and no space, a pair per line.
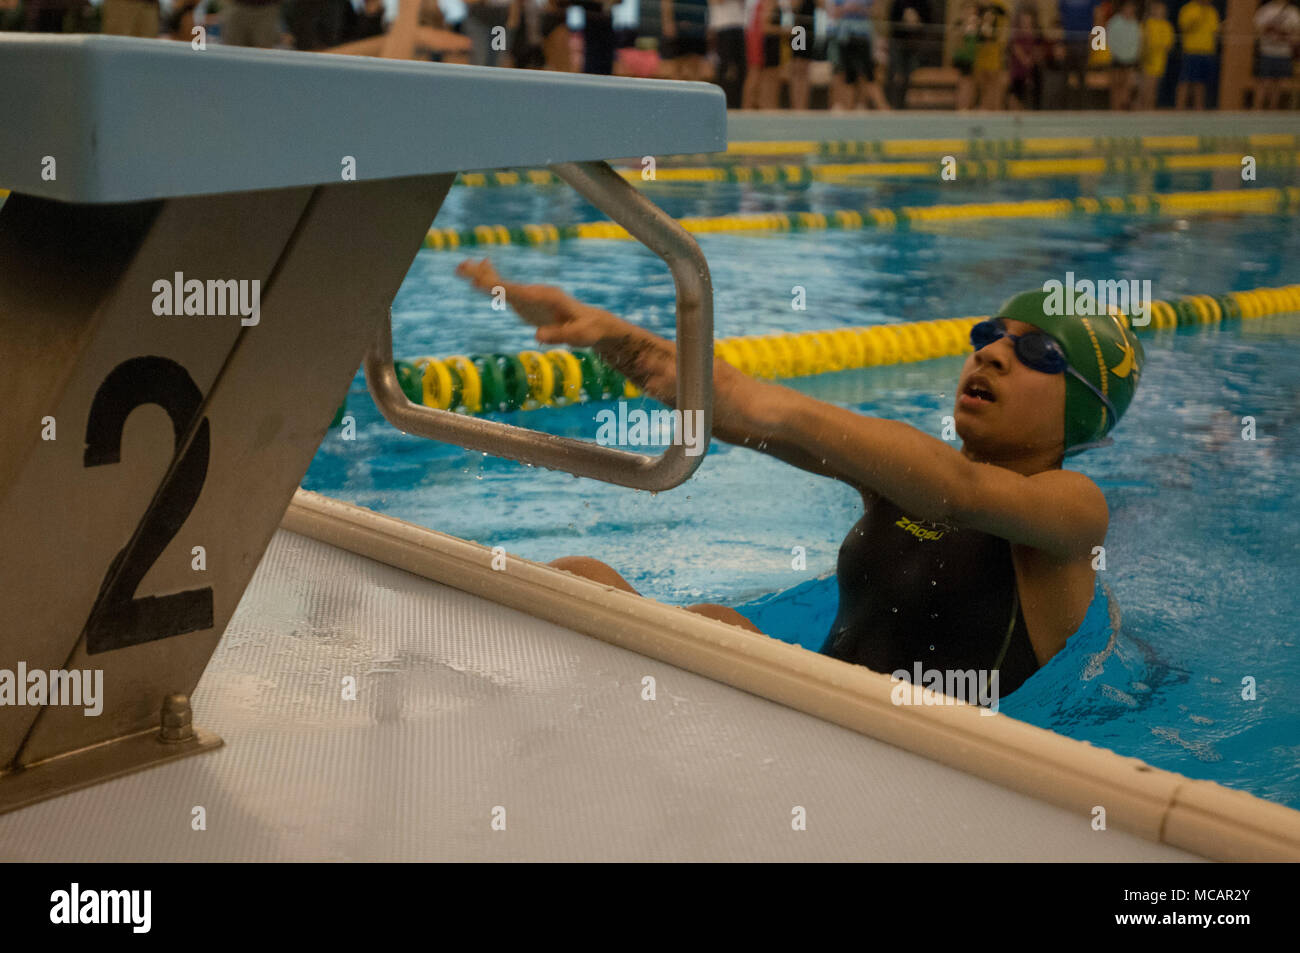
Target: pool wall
1198,816
756,126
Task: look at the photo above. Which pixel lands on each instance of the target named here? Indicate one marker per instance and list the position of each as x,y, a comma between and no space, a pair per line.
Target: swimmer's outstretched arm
1060,512
645,358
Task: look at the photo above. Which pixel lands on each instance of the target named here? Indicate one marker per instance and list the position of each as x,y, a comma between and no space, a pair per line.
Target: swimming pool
1205,528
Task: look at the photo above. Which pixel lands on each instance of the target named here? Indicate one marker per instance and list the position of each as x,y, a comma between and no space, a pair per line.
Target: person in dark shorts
250,23
908,22
1077,23
727,27
598,37
554,26
763,36
803,51
1277,28
855,83
773,32
978,558
524,27
1124,36
1198,29
684,44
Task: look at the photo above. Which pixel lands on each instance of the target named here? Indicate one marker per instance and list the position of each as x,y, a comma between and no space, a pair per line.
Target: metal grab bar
654,228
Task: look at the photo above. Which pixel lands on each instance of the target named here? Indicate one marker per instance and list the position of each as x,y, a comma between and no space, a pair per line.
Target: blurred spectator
1124,39
1198,25
854,82
370,20
684,25
803,50
964,56
763,56
727,26
180,22
1026,60
1077,22
524,26
909,19
1157,41
1277,28
46,16
315,24
598,37
1053,71
129,18
555,36
250,23
991,77
482,18
1099,52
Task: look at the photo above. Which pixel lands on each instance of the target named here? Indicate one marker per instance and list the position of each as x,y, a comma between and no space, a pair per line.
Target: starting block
149,457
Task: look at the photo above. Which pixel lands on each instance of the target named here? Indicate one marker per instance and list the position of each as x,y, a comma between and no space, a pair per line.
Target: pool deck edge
1201,817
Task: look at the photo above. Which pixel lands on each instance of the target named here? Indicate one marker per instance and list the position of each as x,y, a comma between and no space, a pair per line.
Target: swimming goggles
1036,350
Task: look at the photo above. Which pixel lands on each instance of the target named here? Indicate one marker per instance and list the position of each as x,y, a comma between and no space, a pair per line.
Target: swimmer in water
979,558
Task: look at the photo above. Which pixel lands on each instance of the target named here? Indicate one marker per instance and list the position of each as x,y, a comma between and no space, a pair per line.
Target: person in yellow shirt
1157,41
990,67
1099,55
1198,23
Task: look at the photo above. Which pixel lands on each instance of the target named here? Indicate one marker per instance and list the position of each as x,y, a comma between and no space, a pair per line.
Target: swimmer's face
1005,408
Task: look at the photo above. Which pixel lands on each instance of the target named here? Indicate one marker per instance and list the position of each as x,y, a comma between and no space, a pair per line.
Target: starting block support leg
149,458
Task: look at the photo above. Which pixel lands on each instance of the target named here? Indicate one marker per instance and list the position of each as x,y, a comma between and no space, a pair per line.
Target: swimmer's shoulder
1061,513
1073,487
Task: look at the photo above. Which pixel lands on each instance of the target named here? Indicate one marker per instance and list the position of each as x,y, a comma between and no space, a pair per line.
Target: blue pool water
1203,555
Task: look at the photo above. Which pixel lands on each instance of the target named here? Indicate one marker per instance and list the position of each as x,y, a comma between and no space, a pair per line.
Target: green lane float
532,379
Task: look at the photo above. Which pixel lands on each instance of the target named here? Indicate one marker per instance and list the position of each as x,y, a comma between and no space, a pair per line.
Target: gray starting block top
130,119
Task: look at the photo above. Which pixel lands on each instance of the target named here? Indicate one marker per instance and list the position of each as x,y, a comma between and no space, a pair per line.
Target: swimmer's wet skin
971,559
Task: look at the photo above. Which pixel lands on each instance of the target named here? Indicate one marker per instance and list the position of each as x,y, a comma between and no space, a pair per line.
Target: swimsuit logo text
920,531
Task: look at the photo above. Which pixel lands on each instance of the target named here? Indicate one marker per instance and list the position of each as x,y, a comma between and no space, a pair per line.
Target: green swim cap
1101,347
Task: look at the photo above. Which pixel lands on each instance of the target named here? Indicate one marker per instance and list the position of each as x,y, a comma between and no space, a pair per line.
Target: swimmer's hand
562,319
558,317
648,360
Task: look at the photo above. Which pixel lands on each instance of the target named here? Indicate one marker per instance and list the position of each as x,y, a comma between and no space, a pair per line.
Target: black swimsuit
915,591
